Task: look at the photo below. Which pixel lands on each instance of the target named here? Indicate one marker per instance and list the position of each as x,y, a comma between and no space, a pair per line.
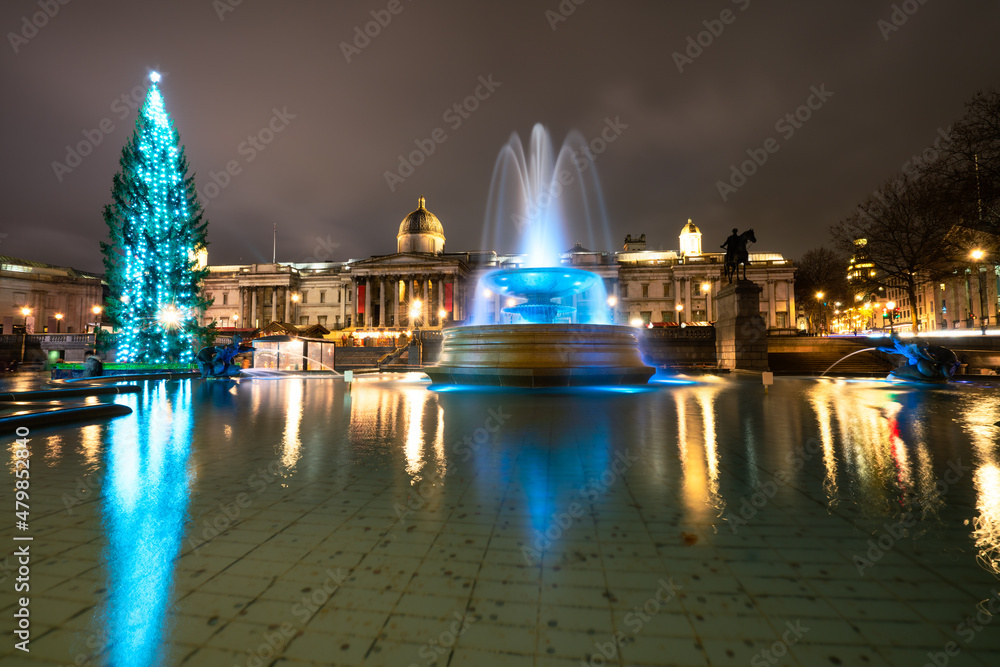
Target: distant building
59,298
424,285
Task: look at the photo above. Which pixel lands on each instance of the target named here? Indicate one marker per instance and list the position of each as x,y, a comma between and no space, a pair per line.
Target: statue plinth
740,332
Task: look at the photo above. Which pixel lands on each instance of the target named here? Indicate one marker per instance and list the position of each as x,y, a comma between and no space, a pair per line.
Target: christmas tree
156,232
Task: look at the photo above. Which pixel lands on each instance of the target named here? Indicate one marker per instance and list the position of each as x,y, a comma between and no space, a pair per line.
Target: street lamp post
59,318
819,299
977,256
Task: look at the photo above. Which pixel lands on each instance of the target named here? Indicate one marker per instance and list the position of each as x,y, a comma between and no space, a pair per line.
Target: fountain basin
540,355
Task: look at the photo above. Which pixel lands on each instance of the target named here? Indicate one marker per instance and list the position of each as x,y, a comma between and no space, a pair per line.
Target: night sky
887,93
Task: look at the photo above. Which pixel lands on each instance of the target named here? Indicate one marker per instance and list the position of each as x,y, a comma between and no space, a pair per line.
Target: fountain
546,344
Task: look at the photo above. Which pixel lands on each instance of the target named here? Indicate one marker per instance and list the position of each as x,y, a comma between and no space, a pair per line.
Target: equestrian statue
737,253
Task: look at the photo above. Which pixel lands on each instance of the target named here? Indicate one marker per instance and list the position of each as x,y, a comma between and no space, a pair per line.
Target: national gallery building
422,285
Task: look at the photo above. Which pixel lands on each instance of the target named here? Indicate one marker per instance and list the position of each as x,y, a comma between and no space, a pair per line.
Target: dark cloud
322,178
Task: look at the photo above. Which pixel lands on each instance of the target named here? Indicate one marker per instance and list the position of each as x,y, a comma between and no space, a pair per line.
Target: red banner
361,299
447,296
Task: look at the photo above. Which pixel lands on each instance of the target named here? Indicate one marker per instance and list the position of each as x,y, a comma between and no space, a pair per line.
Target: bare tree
906,224
970,165
820,270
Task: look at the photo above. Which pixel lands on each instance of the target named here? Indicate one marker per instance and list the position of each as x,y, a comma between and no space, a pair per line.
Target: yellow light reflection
291,443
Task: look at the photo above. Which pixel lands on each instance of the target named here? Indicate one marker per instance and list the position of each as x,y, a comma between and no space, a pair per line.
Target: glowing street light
415,308
977,256
891,306
295,298
706,287
636,322
59,318
612,301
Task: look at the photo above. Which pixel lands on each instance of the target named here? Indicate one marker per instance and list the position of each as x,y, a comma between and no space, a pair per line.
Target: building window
321,319
782,320
336,321
224,322
647,316
666,316
303,319
666,292
305,296
645,291
338,296
624,290
225,298
322,296
347,321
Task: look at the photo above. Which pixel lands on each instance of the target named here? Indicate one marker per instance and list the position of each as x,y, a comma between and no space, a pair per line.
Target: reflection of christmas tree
156,231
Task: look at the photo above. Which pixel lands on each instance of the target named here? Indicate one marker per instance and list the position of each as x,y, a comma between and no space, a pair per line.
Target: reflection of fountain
548,343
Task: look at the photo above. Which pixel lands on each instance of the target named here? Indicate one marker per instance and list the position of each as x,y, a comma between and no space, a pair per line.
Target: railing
689,333
46,339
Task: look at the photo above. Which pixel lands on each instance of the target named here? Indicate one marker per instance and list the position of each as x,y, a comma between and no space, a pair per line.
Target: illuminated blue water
210,512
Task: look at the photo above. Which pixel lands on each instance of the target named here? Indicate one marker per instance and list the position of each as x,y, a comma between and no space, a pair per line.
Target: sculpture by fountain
216,361
925,363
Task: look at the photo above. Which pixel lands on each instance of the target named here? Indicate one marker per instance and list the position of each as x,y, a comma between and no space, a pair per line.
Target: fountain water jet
544,347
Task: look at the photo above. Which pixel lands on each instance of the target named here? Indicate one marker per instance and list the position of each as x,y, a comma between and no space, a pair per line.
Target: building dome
690,239
690,228
420,231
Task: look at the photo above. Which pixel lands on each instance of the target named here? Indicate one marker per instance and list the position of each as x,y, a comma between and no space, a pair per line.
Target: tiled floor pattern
366,560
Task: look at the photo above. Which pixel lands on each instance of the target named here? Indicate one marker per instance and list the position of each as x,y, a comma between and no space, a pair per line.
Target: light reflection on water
703,448
144,508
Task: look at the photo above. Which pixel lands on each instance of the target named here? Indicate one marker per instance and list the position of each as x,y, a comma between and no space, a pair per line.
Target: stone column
677,296
440,300
708,300
286,294
274,303
792,314
772,306
368,302
253,309
687,298
395,301
381,301
425,302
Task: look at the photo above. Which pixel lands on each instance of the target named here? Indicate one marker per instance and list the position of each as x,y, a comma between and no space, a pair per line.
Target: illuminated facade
423,286
47,291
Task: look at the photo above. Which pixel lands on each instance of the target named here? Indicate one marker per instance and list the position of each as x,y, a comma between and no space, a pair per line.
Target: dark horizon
880,92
